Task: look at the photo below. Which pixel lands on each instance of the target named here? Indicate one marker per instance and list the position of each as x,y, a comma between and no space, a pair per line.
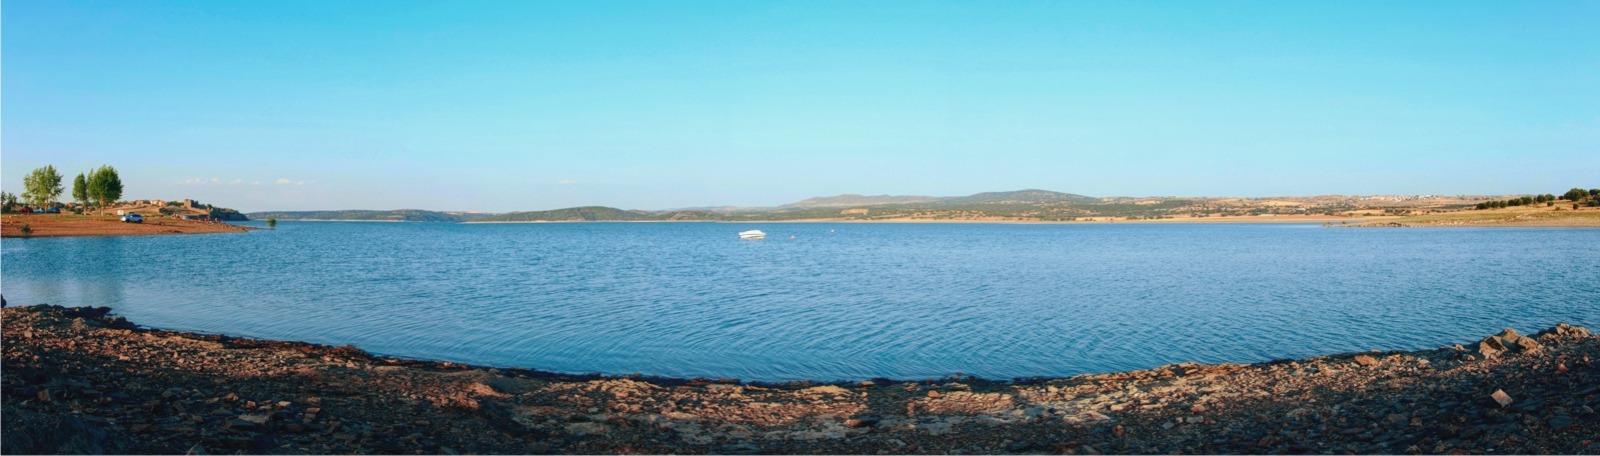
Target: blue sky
498,106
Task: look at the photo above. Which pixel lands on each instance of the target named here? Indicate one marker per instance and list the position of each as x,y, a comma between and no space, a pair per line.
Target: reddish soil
58,225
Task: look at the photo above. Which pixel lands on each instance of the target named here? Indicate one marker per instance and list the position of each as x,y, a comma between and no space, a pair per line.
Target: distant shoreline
1279,219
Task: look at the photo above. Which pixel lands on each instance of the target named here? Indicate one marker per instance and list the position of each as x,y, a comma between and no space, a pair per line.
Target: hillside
572,214
847,200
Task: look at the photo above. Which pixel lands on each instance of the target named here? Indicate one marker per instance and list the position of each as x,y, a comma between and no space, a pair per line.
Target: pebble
1500,397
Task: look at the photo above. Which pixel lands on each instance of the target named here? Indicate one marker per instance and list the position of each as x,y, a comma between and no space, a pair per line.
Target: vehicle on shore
133,217
752,234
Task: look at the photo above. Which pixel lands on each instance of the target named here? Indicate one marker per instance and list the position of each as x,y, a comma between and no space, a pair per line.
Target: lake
837,301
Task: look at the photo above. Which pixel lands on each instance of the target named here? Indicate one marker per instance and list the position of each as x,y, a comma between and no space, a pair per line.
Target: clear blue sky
529,105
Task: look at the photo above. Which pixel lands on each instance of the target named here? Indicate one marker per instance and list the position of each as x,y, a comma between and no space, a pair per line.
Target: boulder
1491,347
1563,331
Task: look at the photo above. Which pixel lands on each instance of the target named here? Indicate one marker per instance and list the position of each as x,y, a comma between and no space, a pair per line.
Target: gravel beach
77,380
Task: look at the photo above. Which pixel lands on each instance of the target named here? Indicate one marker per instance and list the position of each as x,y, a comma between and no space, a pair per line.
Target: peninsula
160,217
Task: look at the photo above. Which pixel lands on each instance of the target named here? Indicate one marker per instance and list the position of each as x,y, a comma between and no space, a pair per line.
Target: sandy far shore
76,380
62,225
1525,216
1180,220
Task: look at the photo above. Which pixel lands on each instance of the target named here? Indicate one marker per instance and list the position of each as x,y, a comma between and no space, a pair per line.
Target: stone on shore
1500,397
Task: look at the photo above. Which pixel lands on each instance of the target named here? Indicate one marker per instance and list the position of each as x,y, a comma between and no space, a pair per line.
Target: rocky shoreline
76,380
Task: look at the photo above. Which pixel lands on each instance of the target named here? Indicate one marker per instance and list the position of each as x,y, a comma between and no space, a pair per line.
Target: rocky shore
76,380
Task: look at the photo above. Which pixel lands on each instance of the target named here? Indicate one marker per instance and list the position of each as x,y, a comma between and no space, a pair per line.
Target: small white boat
752,234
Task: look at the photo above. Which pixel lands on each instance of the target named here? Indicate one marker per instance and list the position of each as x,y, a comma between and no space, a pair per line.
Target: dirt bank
57,225
1561,216
75,380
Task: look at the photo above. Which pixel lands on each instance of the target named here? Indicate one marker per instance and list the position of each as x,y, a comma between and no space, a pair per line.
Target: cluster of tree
1575,195
1578,194
1523,201
42,187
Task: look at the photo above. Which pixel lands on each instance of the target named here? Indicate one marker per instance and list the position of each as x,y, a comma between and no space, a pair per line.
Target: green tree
7,200
1575,194
1594,193
272,223
41,186
80,189
105,187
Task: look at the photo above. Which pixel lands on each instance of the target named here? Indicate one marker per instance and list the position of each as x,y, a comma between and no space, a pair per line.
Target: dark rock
1019,446
1560,422
119,322
77,437
740,448
239,424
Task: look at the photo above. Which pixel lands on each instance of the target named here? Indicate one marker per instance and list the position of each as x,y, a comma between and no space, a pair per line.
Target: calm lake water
836,302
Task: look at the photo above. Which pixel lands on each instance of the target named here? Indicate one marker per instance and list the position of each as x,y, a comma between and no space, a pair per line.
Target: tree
42,186
7,200
1575,194
1594,193
272,223
80,189
104,186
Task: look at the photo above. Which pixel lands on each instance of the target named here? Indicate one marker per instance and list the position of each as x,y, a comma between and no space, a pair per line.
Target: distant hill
571,214
399,215
1028,196
858,200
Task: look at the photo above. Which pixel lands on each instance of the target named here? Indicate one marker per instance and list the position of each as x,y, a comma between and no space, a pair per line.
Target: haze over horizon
490,106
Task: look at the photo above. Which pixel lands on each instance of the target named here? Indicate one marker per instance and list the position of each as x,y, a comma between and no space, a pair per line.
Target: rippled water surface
838,301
